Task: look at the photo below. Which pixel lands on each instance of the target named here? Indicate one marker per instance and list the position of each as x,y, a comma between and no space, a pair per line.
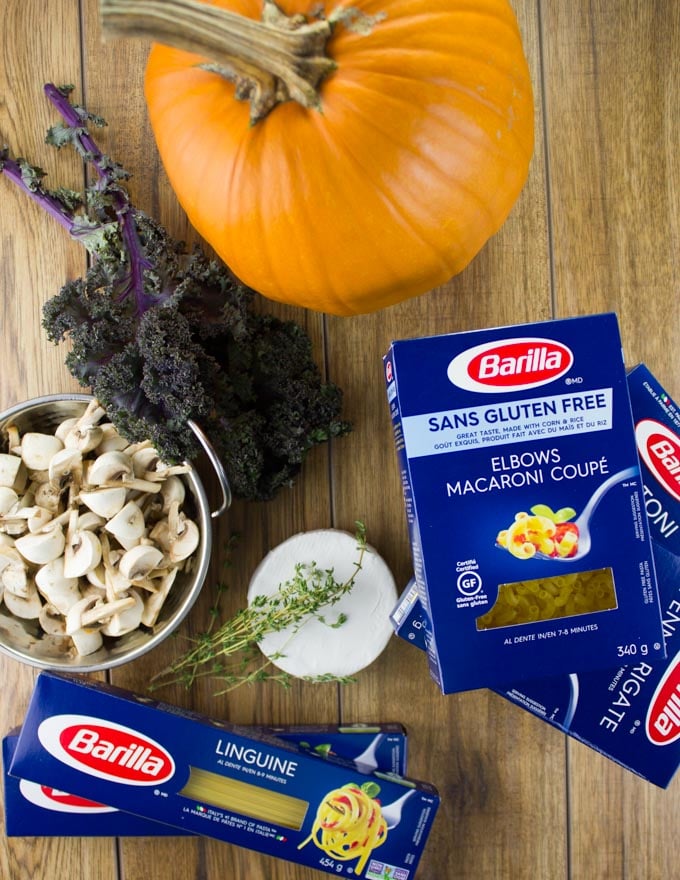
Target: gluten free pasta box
35,810
207,777
524,501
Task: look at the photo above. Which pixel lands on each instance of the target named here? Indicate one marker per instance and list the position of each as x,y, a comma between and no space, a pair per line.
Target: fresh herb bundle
231,655
162,337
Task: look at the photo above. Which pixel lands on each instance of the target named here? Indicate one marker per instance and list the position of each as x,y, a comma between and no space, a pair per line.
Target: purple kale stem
73,119
124,210
53,206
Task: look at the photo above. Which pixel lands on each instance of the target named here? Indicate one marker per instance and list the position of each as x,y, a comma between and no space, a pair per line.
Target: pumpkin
365,167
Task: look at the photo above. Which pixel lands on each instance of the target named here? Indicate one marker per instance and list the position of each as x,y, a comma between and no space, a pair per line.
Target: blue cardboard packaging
208,777
34,810
520,471
631,713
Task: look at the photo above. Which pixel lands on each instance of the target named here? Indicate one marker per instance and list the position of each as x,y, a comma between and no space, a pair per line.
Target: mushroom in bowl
104,548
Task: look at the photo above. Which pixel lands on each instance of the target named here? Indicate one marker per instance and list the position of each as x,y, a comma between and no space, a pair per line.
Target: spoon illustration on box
543,534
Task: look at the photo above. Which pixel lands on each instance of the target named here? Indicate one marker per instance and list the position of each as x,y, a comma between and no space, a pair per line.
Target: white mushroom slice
104,502
13,572
64,427
138,562
13,439
82,553
8,499
47,496
128,525
84,438
177,536
87,641
143,460
155,601
91,610
37,449
109,467
52,620
37,518
111,440
6,540
27,607
172,490
96,577
90,520
65,468
42,547
13,473
127,620
60,591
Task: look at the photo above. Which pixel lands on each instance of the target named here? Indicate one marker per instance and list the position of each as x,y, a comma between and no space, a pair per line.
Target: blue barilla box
631,712
35,810
524,500
238,785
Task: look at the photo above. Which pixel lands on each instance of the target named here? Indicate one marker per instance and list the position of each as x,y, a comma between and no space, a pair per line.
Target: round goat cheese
317,648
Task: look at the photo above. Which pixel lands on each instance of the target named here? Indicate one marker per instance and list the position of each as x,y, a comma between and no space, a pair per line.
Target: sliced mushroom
8,499
37,450
14,572
60,591
82,551
138,562
64,427
109,467
172,490
13,473
126,620
27,607
84,438
42,547
128,525
52,621
177,535
87,641
47,496
155,601
111,440
104,502
65,469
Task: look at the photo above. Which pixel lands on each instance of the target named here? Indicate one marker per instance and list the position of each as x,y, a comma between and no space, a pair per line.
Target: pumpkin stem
279,58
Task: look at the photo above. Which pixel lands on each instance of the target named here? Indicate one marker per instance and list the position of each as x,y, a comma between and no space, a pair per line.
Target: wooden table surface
597,228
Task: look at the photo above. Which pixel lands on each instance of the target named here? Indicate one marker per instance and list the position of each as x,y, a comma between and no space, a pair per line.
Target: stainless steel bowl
24,640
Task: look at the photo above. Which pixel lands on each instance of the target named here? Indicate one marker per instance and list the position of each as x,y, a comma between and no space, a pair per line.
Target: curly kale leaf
164,338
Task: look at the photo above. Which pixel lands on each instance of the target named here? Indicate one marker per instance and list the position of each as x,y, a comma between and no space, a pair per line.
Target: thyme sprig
231,654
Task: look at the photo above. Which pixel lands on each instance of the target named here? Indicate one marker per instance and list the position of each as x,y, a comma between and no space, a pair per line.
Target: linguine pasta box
235,784
631,713
524,500
35,810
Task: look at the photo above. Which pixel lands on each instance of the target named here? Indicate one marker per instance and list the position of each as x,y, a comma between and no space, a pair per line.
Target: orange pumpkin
414,157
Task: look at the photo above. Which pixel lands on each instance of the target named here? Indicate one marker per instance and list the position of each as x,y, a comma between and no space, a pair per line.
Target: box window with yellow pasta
561,596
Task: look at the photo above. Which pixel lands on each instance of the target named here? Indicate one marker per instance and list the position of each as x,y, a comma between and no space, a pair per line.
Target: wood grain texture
597,228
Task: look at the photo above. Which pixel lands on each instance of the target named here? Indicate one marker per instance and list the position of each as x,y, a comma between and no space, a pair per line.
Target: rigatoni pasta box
524,501
234,784
631,712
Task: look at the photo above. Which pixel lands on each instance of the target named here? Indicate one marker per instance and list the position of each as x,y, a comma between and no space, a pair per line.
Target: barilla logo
659,448
663,716
60,801
510,365
106,750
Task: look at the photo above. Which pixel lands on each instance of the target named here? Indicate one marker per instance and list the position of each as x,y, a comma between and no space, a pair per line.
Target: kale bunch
164,338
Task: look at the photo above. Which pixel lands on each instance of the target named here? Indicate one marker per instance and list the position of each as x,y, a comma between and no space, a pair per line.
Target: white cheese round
316,648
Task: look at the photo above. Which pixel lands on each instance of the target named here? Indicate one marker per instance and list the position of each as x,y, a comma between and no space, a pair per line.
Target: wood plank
467,744
114,89
36,258
612,85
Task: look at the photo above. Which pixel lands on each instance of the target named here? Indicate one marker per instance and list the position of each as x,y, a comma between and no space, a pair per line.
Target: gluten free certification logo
469,585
